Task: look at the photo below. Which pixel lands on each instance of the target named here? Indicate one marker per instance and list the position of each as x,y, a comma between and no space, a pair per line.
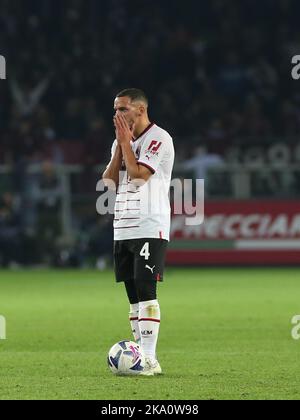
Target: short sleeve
153,151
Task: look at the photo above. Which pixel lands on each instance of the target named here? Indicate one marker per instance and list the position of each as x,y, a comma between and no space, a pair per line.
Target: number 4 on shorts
145,251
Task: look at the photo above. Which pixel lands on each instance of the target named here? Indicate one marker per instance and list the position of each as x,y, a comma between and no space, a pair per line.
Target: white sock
134,322
149,322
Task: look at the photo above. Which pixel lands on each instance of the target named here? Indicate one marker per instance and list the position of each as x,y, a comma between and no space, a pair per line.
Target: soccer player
141,168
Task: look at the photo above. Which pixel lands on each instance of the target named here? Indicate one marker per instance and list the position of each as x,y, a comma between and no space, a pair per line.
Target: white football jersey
144,211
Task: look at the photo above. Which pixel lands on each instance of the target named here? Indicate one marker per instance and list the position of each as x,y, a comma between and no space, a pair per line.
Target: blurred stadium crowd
216,71
217,74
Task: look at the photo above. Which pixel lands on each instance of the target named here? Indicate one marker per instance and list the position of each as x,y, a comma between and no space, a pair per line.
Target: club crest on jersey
154,147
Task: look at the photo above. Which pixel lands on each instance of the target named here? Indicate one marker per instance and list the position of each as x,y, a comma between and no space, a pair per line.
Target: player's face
125,107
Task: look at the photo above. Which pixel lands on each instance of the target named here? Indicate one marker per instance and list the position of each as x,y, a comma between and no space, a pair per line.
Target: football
126,358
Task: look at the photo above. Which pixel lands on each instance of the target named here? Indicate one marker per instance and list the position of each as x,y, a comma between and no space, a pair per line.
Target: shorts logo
151,269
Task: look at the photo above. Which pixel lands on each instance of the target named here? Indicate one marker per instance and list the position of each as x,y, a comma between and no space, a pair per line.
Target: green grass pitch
225,334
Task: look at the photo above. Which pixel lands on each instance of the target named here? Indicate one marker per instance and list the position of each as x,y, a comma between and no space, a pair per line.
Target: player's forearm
112,173
132,167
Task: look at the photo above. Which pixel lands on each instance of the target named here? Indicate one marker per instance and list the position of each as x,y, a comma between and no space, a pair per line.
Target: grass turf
225,334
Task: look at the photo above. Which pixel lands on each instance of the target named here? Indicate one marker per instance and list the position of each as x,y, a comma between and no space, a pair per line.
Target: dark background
217,73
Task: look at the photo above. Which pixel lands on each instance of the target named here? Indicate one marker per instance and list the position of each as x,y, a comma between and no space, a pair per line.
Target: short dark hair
134,94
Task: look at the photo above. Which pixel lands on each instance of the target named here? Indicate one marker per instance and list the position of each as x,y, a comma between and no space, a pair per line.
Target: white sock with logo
149,322
134,322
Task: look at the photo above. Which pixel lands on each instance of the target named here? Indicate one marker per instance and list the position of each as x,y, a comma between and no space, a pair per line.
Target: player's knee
150,309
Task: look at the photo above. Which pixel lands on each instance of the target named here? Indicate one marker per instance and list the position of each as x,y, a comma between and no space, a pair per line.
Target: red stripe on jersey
149,319
127,227
160,234
133,319
127,192
126,218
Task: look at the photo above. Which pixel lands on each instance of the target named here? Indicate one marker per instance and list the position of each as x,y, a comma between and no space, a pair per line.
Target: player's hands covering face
123,132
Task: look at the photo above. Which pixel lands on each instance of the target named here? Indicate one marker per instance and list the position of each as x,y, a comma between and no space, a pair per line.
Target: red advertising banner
239,233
